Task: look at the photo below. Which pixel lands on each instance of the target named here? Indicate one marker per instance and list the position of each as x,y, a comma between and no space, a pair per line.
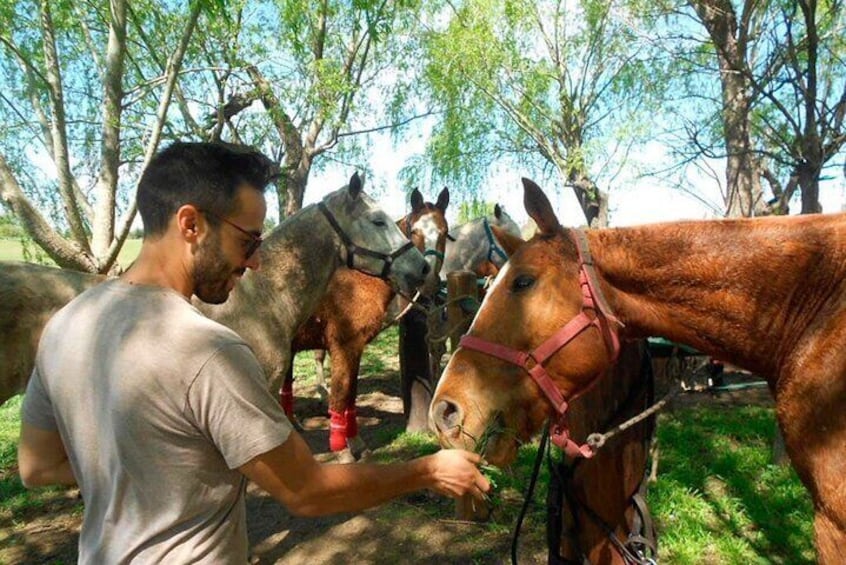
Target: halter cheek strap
493,247
532,361
353,249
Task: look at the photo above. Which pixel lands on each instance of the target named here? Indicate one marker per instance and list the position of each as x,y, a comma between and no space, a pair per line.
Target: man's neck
158,265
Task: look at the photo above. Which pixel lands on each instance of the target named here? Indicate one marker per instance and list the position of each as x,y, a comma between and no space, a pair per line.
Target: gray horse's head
474,247
372,242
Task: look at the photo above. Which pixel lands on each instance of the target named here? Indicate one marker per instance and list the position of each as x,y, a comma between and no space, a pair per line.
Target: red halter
532,361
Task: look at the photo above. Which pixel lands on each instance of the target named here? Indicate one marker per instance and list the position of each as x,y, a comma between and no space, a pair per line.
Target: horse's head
475,246
426,226
485,403
372,242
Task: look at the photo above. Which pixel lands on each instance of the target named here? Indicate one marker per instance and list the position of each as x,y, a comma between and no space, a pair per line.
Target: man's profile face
212,272
224,255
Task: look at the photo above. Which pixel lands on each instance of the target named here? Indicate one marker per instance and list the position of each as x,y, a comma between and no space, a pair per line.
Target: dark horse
353,312
765,294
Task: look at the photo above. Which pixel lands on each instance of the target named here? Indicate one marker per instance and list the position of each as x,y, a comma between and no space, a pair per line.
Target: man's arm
42,459
292,475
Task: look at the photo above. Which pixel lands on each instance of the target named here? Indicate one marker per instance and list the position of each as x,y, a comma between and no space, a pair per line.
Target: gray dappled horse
266,307
473,246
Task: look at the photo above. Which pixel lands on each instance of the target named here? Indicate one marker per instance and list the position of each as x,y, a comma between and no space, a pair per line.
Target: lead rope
530,491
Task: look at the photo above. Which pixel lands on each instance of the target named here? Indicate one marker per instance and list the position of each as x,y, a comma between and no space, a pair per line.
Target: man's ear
189,222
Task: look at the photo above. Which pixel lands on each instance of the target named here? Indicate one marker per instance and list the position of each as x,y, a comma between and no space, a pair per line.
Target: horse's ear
497,211
443,200
355,186
539,209
416,200
509,242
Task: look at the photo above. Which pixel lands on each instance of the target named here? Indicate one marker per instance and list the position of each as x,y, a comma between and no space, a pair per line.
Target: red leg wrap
337,431
286,398
352,424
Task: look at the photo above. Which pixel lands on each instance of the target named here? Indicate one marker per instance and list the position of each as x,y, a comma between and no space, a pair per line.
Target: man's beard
212,272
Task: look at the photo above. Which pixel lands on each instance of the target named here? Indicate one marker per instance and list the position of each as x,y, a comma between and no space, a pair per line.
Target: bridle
492,245
532,361
426,251
353,249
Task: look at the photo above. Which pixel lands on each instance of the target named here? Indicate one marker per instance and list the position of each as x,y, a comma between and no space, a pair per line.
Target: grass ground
19,250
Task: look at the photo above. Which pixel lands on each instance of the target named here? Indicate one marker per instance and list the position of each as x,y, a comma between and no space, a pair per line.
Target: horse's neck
469,248
298,260
744,291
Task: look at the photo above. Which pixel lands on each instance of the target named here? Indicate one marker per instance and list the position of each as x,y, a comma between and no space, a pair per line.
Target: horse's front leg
809,406
343,427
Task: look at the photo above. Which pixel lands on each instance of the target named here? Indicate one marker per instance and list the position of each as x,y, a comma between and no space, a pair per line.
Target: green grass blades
718,498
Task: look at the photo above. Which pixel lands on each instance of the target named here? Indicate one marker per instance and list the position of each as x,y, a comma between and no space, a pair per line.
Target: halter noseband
353,249
532,361
439,255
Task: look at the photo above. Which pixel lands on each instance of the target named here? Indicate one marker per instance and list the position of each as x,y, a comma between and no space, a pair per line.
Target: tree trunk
104,219
744,195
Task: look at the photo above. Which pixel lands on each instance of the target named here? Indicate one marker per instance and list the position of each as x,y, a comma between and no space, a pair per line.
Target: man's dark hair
206,175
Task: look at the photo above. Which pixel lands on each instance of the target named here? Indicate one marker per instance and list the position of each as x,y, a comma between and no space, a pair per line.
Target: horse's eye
522,283
379,223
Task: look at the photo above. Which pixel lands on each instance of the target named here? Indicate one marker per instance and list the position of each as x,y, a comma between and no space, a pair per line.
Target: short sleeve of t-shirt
231,404
37,410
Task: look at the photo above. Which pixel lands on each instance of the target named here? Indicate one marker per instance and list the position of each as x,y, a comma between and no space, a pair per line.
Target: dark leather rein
353,249
596,313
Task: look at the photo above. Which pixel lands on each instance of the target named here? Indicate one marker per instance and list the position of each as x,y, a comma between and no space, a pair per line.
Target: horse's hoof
345,456
296,423
357,446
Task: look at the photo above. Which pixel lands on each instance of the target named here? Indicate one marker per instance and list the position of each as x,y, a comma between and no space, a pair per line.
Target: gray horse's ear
416,200
443,200
509,242
355,185
539,209
497,211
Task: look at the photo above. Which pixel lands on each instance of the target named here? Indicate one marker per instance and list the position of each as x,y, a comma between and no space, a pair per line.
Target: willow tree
322,72
550,85
82,113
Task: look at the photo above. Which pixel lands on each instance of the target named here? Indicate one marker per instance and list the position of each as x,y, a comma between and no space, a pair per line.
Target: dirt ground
400,532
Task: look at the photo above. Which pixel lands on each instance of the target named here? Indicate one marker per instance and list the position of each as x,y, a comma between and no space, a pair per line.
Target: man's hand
456,473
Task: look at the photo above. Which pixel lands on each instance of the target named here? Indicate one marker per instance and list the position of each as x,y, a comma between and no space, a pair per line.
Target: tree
78,98
783,96
324,72
542,84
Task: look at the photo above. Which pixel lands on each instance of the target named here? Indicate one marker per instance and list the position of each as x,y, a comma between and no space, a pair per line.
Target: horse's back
29,295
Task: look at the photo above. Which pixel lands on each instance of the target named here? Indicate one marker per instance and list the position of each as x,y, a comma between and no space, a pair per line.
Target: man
160,414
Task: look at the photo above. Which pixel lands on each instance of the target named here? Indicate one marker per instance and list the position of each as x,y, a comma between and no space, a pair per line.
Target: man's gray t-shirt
157,406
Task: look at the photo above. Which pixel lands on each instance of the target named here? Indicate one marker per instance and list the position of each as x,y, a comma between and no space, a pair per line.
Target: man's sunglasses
255,240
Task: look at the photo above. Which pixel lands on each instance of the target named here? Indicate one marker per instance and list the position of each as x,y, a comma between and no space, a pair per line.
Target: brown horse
764,294
353,312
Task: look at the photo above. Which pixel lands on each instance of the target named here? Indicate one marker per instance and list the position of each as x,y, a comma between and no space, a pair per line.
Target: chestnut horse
765,294
353,312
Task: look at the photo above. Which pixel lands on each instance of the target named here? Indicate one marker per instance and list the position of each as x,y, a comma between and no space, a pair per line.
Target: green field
18,250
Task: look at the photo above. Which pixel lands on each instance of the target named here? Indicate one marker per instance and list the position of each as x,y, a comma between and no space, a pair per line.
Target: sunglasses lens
253,247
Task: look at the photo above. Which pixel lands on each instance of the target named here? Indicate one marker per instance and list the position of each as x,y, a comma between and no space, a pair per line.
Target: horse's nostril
426,268
447,416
